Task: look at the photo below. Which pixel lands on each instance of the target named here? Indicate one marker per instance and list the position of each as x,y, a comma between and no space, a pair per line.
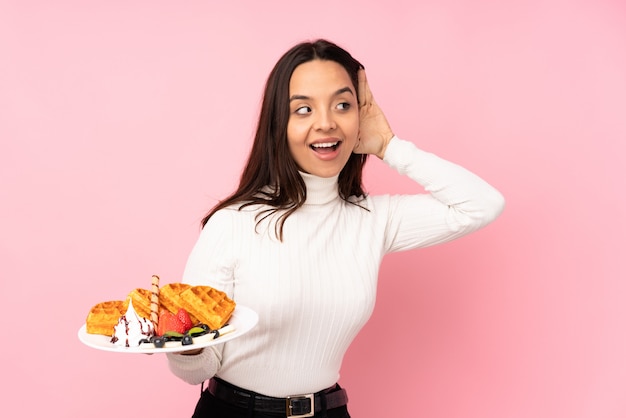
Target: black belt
292,406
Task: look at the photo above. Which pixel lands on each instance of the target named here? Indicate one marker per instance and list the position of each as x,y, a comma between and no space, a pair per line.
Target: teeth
325,145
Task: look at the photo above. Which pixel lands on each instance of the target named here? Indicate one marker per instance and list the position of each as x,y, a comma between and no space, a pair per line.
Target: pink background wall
121,122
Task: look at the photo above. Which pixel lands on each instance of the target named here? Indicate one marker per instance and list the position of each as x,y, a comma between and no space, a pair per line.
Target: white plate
243,320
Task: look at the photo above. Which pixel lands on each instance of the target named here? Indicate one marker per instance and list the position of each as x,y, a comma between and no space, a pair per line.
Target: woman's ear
357,143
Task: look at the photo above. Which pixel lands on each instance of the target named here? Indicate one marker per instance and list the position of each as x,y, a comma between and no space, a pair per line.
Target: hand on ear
374,130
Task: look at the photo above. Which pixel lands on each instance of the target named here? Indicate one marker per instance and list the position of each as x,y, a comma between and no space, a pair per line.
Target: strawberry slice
161,325
184,318
169,322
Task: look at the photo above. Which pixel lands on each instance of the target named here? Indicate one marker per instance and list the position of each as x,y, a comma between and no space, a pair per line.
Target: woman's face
323,122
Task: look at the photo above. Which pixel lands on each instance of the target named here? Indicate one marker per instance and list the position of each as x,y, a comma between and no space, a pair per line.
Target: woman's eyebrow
298,97
344,90
337,93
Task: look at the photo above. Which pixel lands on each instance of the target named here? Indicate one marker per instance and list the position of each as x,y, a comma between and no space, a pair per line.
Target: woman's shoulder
234,211
240,213
372,204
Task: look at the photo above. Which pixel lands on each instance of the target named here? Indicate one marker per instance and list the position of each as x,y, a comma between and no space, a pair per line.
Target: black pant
210,407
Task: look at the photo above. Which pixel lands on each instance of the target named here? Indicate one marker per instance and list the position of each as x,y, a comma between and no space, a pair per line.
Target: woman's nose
325,121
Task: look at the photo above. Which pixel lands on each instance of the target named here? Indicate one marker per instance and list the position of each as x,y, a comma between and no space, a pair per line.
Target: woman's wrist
191,352
386,139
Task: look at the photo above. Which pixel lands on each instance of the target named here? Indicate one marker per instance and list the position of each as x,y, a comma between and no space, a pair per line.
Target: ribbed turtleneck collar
320,190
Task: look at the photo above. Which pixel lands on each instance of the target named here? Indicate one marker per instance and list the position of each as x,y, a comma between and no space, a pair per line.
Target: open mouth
325,147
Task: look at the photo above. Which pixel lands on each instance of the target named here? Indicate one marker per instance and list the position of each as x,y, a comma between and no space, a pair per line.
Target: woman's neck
320,190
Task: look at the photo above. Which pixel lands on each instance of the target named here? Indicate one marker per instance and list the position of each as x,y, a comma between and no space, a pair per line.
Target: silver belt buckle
290,399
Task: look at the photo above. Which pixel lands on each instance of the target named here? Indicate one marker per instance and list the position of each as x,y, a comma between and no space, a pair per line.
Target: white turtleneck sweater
315,290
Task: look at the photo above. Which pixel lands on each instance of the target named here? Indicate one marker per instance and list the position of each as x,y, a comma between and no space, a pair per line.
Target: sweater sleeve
457,201
197,368
210,263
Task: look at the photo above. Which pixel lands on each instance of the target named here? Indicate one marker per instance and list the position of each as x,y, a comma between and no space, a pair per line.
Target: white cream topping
132,328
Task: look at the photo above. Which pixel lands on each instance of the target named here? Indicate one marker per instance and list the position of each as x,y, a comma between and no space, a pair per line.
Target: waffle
103,317
169,298
211,306
141,302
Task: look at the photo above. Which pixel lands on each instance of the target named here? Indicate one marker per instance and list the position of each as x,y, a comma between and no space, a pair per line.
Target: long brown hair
271,176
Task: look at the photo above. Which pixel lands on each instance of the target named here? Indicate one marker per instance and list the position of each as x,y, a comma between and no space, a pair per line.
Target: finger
364,94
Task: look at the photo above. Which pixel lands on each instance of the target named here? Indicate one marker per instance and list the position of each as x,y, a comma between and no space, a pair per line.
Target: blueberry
159,342
187,340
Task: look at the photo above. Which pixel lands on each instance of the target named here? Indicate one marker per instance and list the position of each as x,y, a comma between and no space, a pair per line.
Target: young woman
300,242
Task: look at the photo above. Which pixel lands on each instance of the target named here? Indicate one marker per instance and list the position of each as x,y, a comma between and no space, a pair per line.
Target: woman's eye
343,106
303,110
